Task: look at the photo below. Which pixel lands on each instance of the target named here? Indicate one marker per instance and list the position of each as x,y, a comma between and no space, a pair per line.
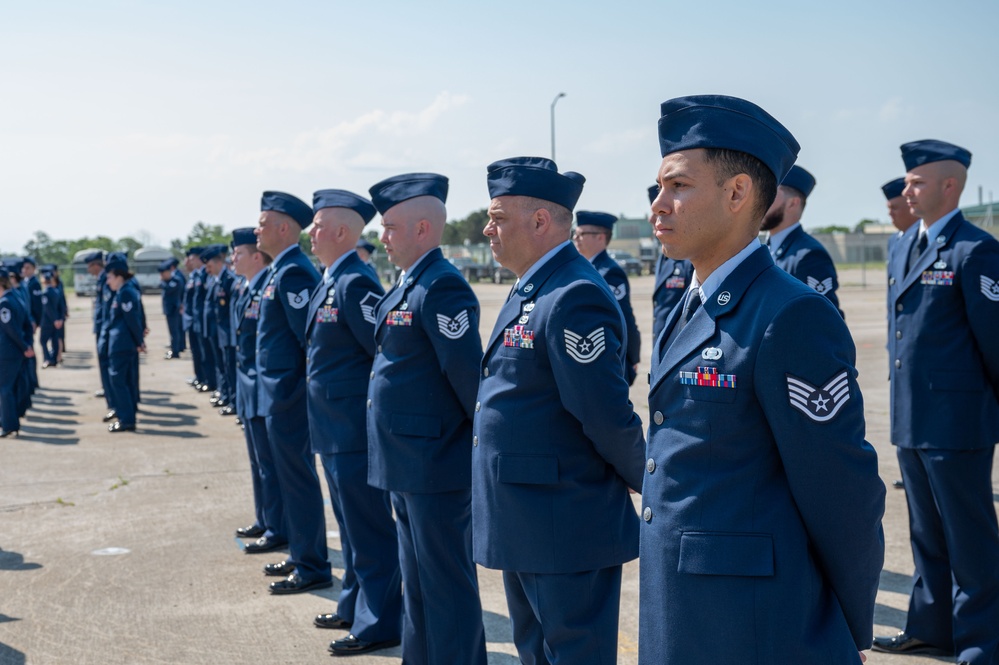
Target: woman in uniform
125,342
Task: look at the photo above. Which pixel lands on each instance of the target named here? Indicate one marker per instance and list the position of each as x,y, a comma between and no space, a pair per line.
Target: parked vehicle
471,270
501,274
631,265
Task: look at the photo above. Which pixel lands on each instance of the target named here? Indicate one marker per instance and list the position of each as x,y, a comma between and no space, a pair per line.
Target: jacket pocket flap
738,554
528,469
425,426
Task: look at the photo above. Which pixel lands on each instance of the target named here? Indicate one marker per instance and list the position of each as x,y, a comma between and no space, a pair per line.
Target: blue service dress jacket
421,398
617,280
803,257
124,324
556,441
284,304
672,281
246,312
341,334
35,306
173,294
943,317
53,307
222,297
762,503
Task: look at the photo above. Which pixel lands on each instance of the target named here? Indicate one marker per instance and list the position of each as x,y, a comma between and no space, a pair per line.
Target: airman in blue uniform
672,279
900,214
13,351
192,285
173,305
209,324
556,442
281,392
365,250
761,504
251,264
95,268
53,318
199,279
218,302
105,297
944,364
341,338
591,237
60,333
421,400
125,340
23,385
33,292
793,249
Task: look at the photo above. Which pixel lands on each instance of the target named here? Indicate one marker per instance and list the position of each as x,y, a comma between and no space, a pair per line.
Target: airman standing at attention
793,250
556,443
761,503
281,392
421,400
173,305
943,315
592,235
672,280
341,347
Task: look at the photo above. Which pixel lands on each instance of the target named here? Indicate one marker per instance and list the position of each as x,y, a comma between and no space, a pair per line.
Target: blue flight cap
893,189
341,198
16,266
603,219
117,262
393,191
290,205
46,274
166,265
729,123
212,251
244,236
918,153
50,267
365,245
3,271
536,177
93,257
799,179
194,251
29,259
653,193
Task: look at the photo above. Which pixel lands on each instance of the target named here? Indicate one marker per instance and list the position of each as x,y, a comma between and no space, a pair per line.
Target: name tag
399,318
707,376
326,315
937,278
518,338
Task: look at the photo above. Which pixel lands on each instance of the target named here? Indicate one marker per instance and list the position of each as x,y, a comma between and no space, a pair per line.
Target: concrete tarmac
120,548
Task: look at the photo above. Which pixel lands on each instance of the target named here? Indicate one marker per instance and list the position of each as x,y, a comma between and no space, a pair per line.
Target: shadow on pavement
494,658
497,630
51,435
10,655
892,581
15,561
889,616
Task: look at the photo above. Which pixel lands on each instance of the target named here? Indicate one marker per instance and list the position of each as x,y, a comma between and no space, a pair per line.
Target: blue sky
131,118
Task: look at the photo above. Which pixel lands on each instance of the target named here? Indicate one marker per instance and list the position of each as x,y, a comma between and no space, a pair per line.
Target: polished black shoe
334,621
118,427
252,531
282,569
203,388
46,365
11,432
214,401
904,643
264,544
98,393
193,382
351,646
295,584
898,484
170,355
110,415
227,410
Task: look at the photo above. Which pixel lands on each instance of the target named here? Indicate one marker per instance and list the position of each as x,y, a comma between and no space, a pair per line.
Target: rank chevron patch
585,349
299,300
823,286
990,289
5,315
368,304
453,328
819,404
620,291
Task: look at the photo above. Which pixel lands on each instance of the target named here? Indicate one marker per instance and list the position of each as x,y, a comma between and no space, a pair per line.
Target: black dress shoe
264,544
904,643
351,646
252,531
334,621
118,427
10,432
295,584
98,393
898,484
110,415
203,388
283,569
227,410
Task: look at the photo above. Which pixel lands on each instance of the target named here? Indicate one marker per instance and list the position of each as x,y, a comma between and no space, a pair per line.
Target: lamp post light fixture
554,101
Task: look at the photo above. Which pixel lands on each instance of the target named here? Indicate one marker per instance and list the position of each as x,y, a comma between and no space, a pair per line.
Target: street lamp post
554,101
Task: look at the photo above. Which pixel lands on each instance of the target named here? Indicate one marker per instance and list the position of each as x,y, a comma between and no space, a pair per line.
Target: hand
145,332
141,349
58,325
29,353
863,657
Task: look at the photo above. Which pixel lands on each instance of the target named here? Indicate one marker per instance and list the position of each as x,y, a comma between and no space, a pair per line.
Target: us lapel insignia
819,404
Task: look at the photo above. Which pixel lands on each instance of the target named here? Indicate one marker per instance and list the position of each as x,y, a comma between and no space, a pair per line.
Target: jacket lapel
932,253
396,296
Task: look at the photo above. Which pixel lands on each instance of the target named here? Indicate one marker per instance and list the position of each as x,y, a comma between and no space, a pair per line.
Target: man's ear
542,220
739,191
